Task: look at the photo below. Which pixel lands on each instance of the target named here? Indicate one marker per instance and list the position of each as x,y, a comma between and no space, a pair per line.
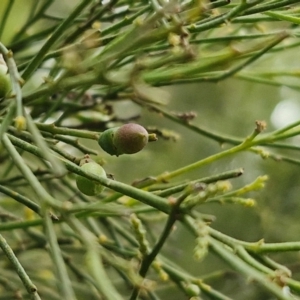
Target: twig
30,287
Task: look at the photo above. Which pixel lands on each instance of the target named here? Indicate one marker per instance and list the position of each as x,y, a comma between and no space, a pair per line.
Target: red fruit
130,138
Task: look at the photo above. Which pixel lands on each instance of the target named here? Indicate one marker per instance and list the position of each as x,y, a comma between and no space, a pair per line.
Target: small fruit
4,81
130,138
192,290
126,139
87,186
106,141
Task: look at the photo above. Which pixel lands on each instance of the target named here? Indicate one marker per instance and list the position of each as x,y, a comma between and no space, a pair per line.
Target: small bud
102,239
156,265
173,39
202,241
258,183
96,25
263,153
140,234
223,186
28,213
249,202
20,123
260,126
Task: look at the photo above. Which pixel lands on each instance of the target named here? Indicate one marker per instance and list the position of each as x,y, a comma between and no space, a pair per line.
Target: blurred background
230,107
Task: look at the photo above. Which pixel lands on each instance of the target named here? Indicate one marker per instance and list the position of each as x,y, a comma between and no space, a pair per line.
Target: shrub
77,71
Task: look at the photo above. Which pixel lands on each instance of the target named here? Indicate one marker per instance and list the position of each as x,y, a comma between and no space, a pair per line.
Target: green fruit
126,139
106,141
4,82
192,290
87,186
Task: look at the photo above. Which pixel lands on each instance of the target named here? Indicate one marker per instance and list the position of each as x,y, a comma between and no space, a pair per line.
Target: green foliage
78,73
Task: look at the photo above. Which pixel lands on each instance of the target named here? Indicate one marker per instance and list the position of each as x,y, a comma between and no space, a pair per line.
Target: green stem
76,144
238,9
178,275
26,41
68,83
264,248
269,6
247,258
5,16
124,22
149,258
63,280
283,17
9,226
222,176
27,173
15,78
21,199
77,270
212,40
56,166
51,128
247,270
32,18
94,262
253,58
89,22
60,30
7,120
262,80
205,161
30,287
259,247
143,196
270,263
